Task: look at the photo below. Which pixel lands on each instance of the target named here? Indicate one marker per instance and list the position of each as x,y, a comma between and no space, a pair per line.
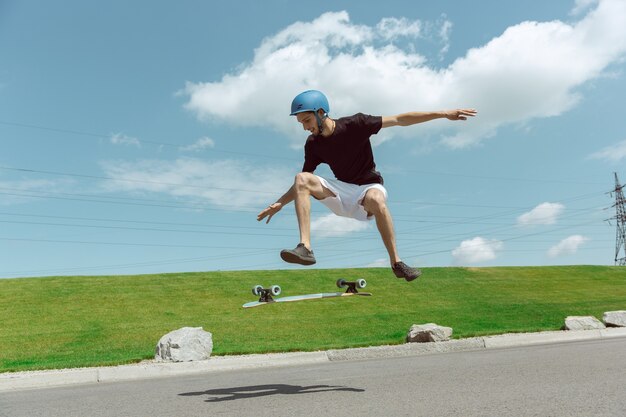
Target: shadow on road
238,393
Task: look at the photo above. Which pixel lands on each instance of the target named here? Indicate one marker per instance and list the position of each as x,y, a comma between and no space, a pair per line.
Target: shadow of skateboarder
255,391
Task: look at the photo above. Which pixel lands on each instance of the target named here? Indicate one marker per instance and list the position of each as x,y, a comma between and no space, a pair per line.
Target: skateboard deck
303,297
275,290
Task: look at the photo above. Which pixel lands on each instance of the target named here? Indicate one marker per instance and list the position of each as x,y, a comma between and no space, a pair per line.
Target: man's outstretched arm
274,208
412,118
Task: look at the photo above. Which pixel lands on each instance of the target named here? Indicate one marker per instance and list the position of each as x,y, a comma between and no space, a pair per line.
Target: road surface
569,379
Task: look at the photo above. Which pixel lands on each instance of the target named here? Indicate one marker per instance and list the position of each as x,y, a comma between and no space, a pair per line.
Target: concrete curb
407,349
150,369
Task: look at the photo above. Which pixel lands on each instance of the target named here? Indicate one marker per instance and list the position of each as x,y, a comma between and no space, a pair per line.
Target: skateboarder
357,191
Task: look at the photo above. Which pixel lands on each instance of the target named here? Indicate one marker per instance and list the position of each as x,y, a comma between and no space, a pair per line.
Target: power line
351,255
446,250
131,202
498,178
236,254
151,245
74,218
97,177
466,220
391,171
141,141
136,264
429,224
28,170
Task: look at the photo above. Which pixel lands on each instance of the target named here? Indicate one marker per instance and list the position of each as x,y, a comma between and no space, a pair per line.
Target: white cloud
392,28
332,225
121,139
613,153
567,246
532,70
444,33
226,182
582,6
544,213
476,250
200,144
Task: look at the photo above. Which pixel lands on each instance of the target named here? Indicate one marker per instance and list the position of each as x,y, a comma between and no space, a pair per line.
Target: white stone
583,323
429,332
185,345
615,318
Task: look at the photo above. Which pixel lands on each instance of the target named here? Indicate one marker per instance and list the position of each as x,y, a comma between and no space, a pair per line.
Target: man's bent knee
304,181
374,201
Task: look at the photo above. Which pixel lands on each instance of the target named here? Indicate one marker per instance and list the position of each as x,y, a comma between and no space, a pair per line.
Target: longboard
266,293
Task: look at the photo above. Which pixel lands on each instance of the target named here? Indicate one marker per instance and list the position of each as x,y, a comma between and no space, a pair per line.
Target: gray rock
185,345
583,323
429,332
615,318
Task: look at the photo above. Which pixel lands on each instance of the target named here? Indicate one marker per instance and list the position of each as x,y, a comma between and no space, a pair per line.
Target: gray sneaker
402,270
300,255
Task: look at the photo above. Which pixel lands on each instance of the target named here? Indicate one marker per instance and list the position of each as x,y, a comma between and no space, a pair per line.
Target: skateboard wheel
275,290
341,282
361,283
256,290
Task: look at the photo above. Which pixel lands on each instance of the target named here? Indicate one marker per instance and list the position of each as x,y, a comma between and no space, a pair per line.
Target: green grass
65,322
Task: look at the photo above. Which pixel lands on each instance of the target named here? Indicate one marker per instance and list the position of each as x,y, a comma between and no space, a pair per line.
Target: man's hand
460,114
269,211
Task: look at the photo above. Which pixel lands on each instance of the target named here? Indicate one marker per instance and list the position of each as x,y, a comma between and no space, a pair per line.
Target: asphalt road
569,379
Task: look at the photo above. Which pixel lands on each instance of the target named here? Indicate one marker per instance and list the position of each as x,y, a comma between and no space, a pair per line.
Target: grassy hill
61,322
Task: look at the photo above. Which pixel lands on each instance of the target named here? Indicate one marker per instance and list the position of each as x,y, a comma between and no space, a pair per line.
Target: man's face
308,122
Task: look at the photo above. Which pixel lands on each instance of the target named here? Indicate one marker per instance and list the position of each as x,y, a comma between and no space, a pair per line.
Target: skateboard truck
265,294
351,285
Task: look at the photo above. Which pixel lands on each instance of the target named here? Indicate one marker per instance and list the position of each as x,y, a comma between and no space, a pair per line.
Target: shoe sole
292,258
409,279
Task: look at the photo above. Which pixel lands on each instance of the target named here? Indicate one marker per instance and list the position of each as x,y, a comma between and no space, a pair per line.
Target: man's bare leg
305,185
374,203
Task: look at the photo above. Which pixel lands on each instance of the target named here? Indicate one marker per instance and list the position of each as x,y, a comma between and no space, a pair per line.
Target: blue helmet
310,100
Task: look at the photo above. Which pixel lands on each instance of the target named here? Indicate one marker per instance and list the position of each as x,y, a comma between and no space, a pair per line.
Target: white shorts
348,198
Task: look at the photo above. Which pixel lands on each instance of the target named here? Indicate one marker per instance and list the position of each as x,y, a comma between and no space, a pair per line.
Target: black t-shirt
348,151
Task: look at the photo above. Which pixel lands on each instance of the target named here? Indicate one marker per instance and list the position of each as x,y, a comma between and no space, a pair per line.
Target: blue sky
144,137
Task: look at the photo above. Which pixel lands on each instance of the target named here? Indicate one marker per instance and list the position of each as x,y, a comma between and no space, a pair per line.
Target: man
357,192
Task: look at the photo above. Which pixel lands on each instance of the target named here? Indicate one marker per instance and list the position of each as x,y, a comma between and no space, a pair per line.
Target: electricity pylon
620,218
